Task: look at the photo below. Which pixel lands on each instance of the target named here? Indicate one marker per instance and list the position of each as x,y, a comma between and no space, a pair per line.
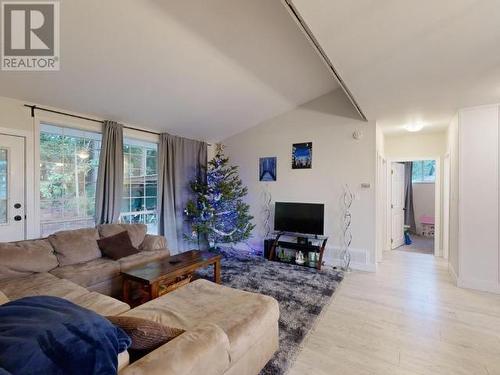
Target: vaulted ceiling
204,69
208,69
407,61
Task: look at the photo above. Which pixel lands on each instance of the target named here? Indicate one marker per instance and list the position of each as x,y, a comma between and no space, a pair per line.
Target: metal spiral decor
345,254
266,211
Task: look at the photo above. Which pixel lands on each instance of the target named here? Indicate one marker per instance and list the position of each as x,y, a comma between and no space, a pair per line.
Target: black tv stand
303,243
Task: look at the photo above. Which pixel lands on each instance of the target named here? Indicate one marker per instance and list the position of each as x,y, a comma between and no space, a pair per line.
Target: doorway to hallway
414,205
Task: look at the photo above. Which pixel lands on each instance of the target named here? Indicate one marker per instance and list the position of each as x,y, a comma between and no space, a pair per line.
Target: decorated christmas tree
218,212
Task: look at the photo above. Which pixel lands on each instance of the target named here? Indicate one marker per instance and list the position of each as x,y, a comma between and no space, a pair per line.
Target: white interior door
12,211
397,204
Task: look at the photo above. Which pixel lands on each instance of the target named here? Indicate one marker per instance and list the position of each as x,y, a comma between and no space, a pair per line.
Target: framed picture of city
302,155
267,169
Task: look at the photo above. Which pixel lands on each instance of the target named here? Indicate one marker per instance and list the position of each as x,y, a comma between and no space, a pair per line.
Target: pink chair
427,223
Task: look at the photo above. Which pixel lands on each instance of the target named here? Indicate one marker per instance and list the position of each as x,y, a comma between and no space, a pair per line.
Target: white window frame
34,228
67,132
422,181
142,143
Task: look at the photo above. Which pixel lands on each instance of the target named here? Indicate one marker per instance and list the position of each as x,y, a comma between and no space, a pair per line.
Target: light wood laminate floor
408,318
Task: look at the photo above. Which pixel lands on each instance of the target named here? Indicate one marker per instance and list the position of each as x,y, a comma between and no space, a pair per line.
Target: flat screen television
305,218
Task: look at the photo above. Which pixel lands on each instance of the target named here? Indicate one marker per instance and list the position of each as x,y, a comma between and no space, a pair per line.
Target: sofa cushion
41,284
153,242
117,246
75,246
45,284
3,298
18,259
123,360
101,304
200,351
137,232
89,273
141,258
245,317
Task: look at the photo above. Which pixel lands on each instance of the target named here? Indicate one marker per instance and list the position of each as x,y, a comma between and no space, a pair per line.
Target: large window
424,171
140,184
68,173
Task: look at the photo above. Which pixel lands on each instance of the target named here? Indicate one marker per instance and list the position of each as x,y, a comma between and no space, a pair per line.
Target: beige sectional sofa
73,255
228,331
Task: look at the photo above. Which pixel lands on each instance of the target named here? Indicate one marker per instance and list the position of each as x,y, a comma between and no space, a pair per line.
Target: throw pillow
75,246
117,246
137,232
146,335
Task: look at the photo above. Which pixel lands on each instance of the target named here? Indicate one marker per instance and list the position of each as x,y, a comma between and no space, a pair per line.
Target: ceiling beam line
307,31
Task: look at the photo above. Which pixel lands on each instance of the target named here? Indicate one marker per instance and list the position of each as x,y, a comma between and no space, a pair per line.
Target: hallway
420,244
408,318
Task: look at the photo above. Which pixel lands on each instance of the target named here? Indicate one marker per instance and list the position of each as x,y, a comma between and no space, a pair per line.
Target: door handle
18,218
17,205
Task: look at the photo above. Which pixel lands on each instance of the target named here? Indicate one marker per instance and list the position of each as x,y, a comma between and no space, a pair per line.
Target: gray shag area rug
301,292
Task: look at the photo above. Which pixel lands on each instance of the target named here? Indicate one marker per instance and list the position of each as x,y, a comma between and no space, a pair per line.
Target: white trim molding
476,284
453,274
438,250
29,194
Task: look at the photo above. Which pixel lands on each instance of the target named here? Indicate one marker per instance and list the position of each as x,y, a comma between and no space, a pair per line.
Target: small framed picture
267,169
302,155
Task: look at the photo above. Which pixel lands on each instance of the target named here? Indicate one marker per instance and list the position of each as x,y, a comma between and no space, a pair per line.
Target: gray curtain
409,210
110,174
180,160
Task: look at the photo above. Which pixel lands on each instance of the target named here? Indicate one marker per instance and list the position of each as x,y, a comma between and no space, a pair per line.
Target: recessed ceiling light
415,127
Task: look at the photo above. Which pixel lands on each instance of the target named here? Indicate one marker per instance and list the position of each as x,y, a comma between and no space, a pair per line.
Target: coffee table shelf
162,276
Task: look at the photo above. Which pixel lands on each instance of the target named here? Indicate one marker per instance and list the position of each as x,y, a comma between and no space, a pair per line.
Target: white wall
423,202
415,145
479,203
14,115
328,122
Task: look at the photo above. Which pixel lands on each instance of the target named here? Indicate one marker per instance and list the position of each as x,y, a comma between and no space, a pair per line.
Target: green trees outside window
424,171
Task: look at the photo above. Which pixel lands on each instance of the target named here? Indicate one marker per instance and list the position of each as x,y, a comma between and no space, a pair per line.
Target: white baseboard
453,274
482,285
354,265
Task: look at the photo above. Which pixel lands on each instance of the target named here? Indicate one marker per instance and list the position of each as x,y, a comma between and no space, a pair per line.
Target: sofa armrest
201,351
153,242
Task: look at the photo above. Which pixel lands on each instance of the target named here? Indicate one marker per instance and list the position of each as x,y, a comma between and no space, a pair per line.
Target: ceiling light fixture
415,127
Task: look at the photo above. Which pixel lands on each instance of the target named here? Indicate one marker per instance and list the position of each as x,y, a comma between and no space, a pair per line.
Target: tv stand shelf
306,248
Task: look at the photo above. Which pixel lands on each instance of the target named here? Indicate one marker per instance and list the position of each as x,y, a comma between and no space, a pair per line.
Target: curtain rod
34,107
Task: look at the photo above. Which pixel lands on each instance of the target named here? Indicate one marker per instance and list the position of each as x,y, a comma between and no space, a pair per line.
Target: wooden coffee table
159,277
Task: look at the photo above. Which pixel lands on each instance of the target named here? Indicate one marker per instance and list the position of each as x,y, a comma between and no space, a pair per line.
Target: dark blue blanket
49,335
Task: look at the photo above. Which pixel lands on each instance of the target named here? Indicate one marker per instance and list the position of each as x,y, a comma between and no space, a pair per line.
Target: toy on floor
408,240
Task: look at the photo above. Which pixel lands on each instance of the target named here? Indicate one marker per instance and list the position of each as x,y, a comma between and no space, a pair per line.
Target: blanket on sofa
50,335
